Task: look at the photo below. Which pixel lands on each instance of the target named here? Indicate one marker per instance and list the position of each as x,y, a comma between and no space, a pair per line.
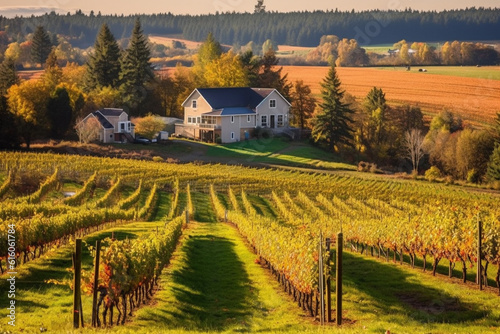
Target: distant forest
296,28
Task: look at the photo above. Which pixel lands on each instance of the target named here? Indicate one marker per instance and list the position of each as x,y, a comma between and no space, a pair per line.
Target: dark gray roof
104,122
264,92
235,97
111,111
231,112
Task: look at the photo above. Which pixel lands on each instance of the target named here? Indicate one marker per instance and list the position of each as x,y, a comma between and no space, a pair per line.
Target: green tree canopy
493,171
103,67
136,68
41,46
303,104
8,75
270,75
226,71
59,113
333,123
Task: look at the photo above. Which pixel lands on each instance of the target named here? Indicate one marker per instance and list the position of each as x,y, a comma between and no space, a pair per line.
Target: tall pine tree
136,68
59,113
210,51
103,67
333,124
41,46
9,137
270,76
8,75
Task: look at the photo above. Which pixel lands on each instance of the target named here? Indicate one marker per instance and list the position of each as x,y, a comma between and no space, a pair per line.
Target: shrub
432,174
473,176
262,133
157,159
367,167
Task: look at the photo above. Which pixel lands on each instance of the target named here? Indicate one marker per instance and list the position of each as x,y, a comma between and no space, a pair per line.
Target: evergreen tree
493,171
8,75
251,64
9,136
209,52
103,67
270,77
496,129
333,124
59,113
376,128
53,73
41,46
136,68
303,104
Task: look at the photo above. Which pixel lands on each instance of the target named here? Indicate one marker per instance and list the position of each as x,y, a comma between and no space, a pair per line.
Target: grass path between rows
214,284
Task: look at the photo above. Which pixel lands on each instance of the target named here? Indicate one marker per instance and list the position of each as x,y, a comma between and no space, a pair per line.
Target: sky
12,8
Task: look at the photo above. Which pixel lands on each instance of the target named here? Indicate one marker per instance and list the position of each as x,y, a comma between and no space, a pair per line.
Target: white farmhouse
230,114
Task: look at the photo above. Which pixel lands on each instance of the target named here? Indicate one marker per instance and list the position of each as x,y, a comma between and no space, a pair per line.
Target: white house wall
201,107
108,136
282,108
228,128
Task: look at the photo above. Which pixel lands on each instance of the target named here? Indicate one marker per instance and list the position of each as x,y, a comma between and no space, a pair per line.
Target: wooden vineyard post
321,281
76,284
225,216
328,284
96,282
187,216
338,274
479,277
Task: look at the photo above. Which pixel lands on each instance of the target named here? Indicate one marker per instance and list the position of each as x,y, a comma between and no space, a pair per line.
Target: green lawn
483,72
278,151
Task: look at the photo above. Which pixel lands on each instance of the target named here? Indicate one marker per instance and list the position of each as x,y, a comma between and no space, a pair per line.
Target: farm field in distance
475,98
390,227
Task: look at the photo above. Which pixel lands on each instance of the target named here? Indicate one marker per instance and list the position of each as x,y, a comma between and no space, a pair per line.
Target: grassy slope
277,151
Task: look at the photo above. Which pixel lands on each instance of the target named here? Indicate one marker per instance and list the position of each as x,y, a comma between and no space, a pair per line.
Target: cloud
13,11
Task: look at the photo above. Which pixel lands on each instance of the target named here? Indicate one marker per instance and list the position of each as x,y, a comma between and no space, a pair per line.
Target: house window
111,136
280,121
232,119
193,104
248,118
129,126
190,120
263,121
122,127
272,103
198,119
232,135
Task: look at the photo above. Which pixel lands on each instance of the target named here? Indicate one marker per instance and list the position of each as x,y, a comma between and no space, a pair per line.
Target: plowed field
477,100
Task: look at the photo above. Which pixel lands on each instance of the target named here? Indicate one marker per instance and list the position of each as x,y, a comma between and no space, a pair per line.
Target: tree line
395,137
371,130
295,28
51,106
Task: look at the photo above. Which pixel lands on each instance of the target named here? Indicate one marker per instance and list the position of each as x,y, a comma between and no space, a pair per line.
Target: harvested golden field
477,100
167,41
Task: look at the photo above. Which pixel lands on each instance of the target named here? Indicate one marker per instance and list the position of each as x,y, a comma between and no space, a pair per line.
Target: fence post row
479,275
96,282
338,274
321,280
77,298
329,283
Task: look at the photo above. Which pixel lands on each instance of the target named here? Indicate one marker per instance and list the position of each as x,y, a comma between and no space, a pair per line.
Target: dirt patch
430,305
